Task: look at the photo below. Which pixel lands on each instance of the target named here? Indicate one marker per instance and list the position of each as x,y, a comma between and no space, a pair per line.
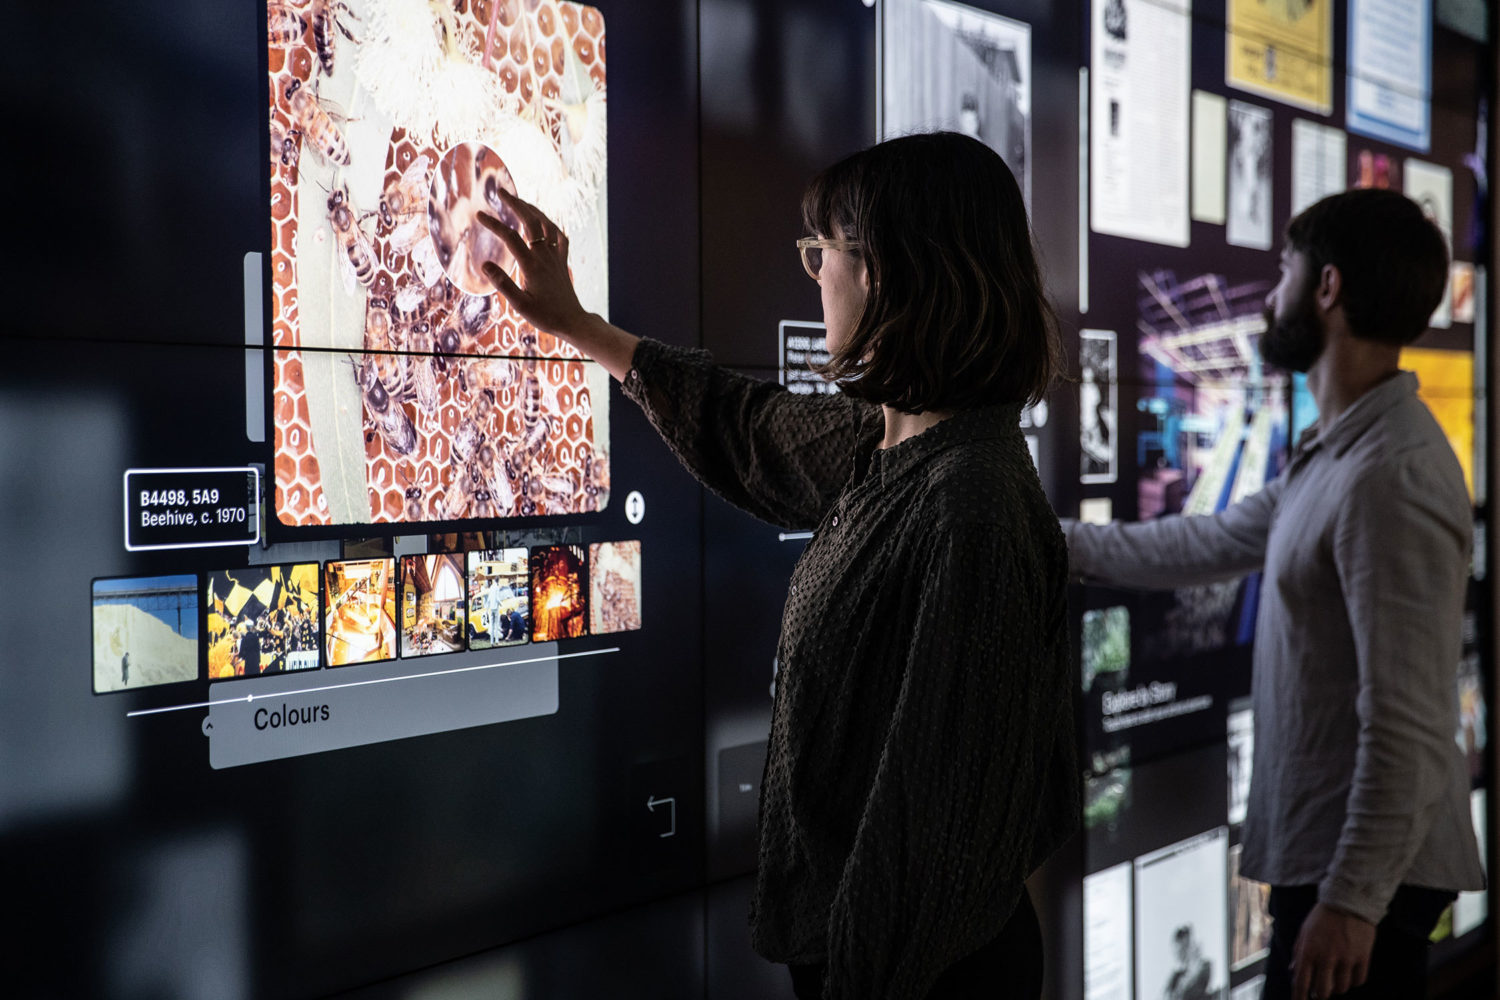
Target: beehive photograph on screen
404,388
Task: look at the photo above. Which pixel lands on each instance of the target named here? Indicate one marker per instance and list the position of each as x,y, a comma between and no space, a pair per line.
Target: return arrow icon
653,802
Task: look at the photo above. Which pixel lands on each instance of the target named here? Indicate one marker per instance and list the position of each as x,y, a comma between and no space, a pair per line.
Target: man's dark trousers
1398,962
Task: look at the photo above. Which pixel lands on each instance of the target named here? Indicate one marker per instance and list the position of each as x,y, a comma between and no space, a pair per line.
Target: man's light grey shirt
1365,539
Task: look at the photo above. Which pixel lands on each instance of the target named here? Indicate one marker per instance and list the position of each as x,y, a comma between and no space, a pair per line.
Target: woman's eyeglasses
812,248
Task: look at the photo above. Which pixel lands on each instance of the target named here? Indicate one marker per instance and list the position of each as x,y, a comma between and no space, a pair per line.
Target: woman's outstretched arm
778,456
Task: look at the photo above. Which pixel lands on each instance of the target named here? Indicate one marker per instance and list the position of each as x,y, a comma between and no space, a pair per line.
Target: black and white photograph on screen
1471,909
1181,932
949,66
1033,421
1106,934
1430,185
1250,990
1098,406
1240,740
1250,209
1250,915
1249,908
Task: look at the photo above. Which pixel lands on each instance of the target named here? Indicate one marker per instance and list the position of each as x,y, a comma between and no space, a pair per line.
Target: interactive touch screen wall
352,625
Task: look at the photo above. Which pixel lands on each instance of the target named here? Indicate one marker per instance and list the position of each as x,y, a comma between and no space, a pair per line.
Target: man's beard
1294,342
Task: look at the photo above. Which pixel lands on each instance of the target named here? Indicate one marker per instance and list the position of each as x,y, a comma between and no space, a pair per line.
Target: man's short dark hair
956,316
1393,261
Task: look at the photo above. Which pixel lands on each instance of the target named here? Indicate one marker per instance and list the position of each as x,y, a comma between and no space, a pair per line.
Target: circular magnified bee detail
464,185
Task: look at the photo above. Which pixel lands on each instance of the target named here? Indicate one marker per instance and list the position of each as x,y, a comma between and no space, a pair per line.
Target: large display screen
405,388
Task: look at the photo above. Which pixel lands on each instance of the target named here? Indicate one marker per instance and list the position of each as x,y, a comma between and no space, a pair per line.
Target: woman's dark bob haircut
956,316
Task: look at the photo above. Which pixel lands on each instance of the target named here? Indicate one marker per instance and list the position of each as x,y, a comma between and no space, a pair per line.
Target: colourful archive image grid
252,621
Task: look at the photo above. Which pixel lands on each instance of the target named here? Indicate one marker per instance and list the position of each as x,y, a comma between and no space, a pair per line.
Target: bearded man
1359,807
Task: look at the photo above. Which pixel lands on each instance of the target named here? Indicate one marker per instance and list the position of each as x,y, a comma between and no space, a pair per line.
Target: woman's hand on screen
542,291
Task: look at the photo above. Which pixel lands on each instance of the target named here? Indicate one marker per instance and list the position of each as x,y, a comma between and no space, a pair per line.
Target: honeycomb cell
297,439
449,419
518,53
565,398
286,469
308,468
584,47
569,17
393,506
540,64
384,473
592,22
575,375
545,21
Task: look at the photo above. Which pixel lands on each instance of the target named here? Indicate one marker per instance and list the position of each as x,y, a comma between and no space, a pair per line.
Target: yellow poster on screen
1282,49
1446,384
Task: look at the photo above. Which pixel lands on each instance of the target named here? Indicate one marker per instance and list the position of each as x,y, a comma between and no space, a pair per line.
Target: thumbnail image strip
262,620
145,632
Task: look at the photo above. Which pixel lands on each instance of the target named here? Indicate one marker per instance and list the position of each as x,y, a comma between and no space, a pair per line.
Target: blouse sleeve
969,777
780,456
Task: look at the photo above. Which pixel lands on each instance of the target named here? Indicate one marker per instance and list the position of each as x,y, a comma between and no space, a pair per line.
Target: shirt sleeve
1401,548
968,774
1175,551
777,455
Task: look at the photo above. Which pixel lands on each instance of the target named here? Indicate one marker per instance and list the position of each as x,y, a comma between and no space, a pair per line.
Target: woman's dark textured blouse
921,759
